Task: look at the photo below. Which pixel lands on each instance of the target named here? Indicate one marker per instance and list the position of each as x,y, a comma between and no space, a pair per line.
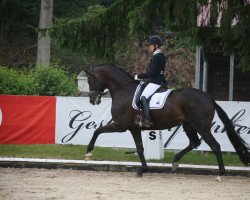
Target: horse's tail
238,143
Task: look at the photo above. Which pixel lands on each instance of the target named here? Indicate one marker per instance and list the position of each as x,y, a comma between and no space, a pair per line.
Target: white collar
157,51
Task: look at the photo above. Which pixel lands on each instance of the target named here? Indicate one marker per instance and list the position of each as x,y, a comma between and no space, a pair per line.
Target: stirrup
146,123
139,120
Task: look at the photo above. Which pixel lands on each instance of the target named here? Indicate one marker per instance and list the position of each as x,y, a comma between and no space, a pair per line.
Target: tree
18,38
44,39
138,18
18,28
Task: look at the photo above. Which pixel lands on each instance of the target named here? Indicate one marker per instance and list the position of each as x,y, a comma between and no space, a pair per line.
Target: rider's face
151,48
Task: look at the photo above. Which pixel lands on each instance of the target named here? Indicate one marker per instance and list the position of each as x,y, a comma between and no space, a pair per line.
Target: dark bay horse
190,107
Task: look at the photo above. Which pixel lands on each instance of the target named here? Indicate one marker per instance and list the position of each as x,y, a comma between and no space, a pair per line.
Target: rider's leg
146,94
146,121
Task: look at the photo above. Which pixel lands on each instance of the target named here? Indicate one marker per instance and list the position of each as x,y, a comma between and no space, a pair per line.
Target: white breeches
149,90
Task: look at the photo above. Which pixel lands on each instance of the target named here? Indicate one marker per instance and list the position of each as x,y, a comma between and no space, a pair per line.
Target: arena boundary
118,166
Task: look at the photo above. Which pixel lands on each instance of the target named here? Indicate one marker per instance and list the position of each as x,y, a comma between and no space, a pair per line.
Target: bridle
96,93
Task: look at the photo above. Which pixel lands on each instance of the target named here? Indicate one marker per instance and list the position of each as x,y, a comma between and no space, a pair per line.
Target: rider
154,74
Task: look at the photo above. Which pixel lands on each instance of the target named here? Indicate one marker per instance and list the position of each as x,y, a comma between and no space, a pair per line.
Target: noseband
97,93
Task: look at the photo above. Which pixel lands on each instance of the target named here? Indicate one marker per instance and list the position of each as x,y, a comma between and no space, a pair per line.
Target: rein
115,88
99,93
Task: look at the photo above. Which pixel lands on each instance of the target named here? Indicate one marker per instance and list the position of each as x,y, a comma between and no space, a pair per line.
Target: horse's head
96,85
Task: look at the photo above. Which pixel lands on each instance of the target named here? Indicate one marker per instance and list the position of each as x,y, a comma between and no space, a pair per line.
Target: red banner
27,119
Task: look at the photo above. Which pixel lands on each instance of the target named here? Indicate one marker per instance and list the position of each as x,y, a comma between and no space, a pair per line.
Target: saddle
156,101
142,85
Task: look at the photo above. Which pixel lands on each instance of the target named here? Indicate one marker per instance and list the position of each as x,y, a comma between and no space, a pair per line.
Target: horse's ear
86,69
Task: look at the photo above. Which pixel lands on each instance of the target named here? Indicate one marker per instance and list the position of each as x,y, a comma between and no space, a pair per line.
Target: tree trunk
44,40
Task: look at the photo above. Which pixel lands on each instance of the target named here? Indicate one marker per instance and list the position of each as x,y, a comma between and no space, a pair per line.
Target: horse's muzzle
96,101
95,98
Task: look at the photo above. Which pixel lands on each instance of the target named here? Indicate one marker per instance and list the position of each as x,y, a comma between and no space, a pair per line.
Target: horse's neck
120,87
119,83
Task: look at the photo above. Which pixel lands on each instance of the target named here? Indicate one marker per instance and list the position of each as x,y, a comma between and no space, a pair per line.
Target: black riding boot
146,121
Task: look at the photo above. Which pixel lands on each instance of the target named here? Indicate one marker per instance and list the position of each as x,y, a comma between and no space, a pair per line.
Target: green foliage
19,19
74,28
17,16
72,8
18,25
53,81
16,82
236,38
109,24
76,8
96,31
48,81
98,34
139,19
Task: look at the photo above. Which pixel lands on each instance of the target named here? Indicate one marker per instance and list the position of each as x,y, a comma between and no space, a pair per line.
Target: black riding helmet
156,40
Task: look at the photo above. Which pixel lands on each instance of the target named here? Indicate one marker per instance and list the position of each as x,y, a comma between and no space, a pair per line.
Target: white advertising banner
77,119
238,112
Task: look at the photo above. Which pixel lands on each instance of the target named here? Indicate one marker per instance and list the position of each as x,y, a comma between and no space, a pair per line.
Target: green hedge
16,82
45,81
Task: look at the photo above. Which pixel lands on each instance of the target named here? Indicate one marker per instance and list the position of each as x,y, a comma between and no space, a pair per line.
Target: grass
77,152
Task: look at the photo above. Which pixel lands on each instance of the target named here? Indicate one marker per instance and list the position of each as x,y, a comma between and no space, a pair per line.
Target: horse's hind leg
215,146
194,142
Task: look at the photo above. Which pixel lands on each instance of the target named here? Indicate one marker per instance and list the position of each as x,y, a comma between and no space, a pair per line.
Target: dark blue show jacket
155,72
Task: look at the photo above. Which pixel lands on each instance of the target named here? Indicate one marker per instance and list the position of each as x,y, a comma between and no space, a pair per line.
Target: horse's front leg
113,127
140,150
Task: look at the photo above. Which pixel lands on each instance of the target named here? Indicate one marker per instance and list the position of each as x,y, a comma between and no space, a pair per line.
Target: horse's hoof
218,178
175,166
89,156
138,175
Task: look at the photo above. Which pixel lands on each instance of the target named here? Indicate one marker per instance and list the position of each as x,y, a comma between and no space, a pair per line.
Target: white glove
136,77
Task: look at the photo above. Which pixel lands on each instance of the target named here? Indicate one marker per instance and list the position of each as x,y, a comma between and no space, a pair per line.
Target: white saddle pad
157,101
